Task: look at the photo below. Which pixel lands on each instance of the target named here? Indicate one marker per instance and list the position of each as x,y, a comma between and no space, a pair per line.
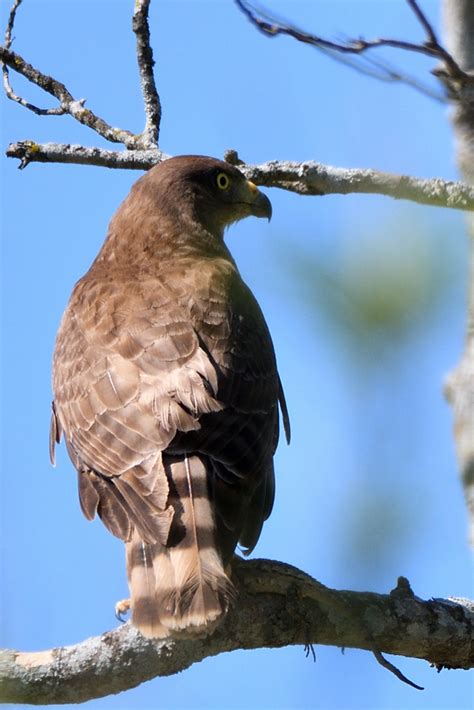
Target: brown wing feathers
166,391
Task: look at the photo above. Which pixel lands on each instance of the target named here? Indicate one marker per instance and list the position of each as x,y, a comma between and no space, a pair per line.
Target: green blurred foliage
374,297
376,291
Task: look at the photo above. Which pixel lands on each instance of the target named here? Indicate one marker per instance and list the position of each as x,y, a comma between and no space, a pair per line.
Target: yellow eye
223,181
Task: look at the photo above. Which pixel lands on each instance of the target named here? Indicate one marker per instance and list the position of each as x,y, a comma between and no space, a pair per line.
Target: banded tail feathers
183,584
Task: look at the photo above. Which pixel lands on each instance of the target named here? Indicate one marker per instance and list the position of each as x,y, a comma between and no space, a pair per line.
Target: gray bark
308,178
277,605
459,31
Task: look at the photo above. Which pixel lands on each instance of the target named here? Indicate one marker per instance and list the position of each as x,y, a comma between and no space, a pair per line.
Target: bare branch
423,20
68,104
393,669
277,605
459,30
6,77
31,152
270,26
308,178
381,70
311,178
147,80
11,23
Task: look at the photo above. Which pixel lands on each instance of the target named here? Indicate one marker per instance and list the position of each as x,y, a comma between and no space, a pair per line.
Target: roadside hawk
166,391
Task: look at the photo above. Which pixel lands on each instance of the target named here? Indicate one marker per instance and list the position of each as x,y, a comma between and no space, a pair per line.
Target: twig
6,77
271,27
75,107
147,80
423,20
277,605
381,70
393,669
68,104
454,71
11,22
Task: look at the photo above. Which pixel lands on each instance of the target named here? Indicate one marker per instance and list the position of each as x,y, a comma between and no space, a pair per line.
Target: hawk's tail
180,585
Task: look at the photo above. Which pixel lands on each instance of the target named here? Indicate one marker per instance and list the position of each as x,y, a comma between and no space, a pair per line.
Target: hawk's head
205,190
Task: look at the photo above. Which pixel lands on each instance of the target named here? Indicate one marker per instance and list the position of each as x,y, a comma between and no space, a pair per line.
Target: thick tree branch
308,178
459,28
278,605
311,178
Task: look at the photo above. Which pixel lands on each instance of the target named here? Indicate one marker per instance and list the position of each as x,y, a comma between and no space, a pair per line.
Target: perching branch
308,178
450,71
277,605
311,178
30,152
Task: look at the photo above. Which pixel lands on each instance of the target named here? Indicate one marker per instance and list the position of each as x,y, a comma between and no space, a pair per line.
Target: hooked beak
260,205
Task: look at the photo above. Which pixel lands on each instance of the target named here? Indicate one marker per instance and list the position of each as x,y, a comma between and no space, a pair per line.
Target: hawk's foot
122,608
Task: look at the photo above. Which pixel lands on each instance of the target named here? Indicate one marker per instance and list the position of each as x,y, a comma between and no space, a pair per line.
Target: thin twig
11,22
74,107
453,69
381,70
393,669
423,20
151,98
6,77
270,26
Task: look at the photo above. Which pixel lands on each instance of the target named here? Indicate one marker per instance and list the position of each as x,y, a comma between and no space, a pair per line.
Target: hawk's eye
223,181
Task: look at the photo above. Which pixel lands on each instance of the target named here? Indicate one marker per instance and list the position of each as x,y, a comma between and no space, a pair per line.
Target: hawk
167,393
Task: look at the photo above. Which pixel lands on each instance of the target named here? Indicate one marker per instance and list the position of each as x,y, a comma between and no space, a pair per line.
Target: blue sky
368,489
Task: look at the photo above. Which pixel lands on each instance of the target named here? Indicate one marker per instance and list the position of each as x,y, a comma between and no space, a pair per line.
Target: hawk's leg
122,607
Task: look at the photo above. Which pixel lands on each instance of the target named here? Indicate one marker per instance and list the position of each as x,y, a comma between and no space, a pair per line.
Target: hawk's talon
122,607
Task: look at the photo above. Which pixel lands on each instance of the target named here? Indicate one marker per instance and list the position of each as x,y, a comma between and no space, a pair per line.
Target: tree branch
6,76
147,78
459,28
277,605
68,104
308,178
451,72
75,107
311,178
30,152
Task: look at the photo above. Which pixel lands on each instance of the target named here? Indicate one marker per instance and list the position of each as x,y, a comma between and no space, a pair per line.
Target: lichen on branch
277,605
